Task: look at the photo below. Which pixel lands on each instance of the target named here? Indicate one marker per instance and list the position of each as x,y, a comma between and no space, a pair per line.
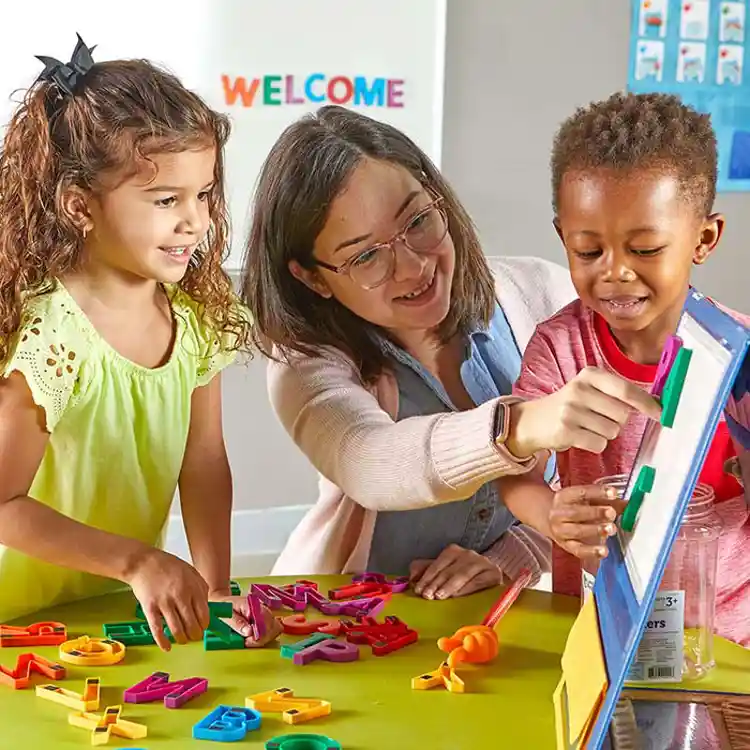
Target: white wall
273,481
507,90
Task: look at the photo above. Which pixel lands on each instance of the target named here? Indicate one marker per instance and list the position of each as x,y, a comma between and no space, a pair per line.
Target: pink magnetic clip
668,355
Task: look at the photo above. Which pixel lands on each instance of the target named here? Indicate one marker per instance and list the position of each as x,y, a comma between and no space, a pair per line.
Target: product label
660,652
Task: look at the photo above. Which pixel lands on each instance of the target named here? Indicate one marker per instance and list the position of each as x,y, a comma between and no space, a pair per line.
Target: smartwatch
502,423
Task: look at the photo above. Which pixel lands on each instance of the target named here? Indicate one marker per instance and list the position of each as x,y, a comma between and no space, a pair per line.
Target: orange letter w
239,88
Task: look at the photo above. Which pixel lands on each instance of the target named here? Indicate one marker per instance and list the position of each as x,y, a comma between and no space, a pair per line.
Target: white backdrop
287,52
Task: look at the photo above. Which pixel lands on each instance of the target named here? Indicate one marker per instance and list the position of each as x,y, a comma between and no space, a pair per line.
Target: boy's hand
242,620
172,591
586,413
582,518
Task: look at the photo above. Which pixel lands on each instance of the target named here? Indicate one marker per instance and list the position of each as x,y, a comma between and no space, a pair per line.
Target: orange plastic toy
476,644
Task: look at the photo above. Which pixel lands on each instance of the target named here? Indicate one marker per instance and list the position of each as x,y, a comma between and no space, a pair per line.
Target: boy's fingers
592,495
585,551
581,532
583,514
586,494
617,505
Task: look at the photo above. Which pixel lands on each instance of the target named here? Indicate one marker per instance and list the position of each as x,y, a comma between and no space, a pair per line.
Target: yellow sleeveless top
118,433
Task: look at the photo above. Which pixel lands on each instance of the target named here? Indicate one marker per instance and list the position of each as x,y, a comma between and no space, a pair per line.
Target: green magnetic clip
643,485
670,396
234,588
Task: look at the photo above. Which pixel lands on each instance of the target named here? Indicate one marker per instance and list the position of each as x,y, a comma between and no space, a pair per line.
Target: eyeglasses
374,266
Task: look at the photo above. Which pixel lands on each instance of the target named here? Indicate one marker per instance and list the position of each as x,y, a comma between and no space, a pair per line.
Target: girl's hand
242,620
455,572
172,591
581,519
586,413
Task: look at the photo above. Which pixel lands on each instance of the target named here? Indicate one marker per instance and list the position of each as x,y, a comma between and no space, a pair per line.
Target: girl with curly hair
116,319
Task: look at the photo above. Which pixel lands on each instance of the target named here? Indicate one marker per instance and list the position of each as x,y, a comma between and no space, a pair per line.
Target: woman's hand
581,519
455,572
586,413
172,591
241,620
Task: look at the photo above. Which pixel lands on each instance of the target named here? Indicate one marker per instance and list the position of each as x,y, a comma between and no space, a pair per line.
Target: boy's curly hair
638,132
121,112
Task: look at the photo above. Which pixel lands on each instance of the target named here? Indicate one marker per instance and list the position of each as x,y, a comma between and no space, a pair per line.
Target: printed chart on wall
697,50
264,63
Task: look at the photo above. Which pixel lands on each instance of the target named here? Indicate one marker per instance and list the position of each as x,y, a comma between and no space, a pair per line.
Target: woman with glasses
394,343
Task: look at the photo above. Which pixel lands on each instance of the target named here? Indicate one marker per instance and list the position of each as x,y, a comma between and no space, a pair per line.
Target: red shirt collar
617,359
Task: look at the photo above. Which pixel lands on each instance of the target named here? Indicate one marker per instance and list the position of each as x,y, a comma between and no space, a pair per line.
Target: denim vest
491,365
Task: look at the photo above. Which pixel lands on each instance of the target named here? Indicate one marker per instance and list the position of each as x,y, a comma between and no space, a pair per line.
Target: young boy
634,181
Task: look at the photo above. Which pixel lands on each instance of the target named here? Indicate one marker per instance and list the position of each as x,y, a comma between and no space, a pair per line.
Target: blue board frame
621,618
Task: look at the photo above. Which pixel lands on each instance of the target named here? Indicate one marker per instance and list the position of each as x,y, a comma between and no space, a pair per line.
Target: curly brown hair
640,131
306,169
120,113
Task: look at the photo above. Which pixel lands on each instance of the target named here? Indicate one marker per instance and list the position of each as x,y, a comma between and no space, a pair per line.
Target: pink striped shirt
576,338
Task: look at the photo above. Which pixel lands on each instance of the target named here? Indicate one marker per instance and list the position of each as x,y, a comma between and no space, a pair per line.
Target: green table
508,703
373,704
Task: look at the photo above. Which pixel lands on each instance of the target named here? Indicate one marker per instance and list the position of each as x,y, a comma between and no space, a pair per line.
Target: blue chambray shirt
491,365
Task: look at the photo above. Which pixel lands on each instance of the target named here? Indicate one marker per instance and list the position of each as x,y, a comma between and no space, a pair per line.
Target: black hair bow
67,77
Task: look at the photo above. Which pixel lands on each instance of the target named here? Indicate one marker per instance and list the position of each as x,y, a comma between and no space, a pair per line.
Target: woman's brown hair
305,170
120,113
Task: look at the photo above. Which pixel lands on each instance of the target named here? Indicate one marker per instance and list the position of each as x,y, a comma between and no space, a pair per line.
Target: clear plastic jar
691,569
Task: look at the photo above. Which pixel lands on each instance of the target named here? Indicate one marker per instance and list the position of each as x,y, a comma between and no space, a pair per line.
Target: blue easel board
697,50
629,577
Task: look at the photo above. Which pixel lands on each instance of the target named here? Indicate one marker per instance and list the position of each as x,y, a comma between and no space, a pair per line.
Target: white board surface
671,451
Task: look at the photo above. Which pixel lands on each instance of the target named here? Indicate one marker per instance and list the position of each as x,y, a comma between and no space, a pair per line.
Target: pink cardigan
368,462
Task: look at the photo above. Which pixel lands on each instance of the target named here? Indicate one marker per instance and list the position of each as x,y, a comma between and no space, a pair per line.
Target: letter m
368,95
